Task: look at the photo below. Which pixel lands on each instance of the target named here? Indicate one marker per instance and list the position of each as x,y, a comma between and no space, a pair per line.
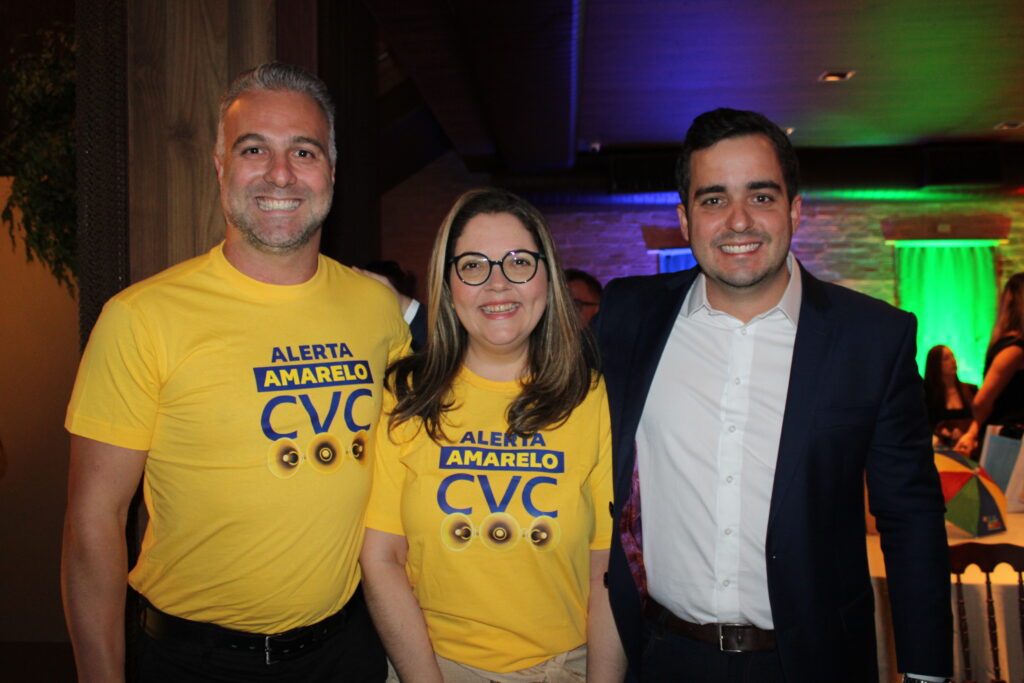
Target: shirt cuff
933,679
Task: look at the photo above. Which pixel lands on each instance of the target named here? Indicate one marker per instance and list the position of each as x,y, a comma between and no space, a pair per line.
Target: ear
684,224
794,211
218,164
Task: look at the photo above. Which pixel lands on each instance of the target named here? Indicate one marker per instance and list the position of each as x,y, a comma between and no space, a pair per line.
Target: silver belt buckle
721,637
266,650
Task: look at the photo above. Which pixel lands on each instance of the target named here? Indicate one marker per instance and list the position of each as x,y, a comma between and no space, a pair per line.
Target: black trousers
670,656
353,654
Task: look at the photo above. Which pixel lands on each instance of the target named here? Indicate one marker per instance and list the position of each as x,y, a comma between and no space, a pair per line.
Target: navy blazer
855,404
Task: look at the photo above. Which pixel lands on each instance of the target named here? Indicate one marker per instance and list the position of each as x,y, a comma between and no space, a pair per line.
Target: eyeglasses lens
519,266
475,269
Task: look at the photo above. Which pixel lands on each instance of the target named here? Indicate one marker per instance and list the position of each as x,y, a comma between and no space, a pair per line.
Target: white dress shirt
707,445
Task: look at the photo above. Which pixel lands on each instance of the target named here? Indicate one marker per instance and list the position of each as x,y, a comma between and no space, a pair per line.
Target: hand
966,444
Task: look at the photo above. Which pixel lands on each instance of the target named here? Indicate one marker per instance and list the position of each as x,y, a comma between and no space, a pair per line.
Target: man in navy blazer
749,402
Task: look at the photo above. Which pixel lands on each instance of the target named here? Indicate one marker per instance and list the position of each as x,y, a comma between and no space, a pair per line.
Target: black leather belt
276,647
728,637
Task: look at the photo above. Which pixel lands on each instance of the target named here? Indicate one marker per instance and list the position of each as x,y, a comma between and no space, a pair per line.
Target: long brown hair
935,384
561,359
1010,319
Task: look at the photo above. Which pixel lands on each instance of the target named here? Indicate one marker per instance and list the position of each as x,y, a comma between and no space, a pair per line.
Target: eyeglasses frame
500,263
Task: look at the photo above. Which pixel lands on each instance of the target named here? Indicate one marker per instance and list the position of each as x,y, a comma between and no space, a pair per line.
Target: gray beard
247,227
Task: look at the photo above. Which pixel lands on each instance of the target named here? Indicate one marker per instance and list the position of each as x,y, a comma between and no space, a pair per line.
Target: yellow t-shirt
499,528
254,402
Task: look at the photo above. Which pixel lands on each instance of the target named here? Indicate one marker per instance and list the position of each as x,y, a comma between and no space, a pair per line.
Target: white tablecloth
1004,590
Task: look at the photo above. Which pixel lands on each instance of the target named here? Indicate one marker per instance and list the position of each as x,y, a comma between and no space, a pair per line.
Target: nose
279,171
497,279
739,218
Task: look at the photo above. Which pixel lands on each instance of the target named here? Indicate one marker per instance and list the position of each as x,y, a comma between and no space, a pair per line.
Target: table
1004,592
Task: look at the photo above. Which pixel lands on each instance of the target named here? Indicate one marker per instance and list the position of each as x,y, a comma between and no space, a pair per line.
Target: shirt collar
789,304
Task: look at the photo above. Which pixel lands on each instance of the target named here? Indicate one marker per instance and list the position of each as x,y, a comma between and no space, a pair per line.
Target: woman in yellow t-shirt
488,525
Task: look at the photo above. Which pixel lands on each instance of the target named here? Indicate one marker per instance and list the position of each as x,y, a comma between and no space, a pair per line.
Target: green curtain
953,291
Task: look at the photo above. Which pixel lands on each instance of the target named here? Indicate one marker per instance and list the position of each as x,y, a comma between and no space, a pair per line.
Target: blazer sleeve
905,496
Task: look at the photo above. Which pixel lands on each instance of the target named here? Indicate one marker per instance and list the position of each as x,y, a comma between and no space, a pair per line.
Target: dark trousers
670,656
353,654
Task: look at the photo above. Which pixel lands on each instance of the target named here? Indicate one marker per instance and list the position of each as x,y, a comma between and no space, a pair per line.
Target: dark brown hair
719,124
935,384
1010,318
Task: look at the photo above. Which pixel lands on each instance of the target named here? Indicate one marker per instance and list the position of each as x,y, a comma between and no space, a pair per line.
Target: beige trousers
568,667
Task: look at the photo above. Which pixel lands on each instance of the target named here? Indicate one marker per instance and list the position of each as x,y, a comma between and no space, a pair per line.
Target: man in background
240,386
586,293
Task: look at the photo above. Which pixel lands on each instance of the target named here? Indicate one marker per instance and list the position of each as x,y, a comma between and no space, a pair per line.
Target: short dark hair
719,124
592,283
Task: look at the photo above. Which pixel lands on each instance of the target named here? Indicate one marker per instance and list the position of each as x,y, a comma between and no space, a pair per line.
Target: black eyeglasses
519,266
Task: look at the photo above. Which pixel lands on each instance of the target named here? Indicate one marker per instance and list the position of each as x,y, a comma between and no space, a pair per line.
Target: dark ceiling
571,88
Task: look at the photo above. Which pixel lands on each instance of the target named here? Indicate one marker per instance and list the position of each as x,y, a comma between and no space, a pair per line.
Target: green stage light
953,292
932,244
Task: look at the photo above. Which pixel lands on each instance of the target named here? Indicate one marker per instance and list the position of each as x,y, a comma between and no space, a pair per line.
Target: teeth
740,248
266,204
500,308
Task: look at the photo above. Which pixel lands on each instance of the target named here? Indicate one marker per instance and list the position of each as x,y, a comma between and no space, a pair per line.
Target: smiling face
498,315
739,223
276,179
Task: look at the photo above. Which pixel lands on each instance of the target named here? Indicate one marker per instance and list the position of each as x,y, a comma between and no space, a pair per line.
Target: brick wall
837,241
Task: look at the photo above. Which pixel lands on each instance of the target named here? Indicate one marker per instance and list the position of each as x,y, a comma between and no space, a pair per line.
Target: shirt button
732,428
728,532
744,332
736,381
728,479
726,583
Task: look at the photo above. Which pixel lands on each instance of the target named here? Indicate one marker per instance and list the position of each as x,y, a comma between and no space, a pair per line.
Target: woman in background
488,525
1000,400
948,399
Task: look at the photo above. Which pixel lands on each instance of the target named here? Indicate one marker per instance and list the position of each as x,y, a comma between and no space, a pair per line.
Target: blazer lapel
652,333
804,393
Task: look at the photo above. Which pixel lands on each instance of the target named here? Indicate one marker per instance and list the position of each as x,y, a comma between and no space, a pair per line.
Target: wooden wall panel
351,232
297,37
257,21
147,174
182,54
197,71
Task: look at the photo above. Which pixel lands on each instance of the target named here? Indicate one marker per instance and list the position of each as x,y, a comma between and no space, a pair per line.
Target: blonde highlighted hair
561,359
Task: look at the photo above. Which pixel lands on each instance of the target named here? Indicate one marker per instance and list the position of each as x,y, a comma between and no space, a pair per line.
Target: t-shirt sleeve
401,338
117,389
601,478
383,512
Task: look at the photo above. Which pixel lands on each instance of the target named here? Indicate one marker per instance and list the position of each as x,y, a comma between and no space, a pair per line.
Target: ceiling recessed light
836,76
1009,125
789,130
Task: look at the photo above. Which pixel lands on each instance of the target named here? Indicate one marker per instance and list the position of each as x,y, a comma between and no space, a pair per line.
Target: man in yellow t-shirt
241,387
